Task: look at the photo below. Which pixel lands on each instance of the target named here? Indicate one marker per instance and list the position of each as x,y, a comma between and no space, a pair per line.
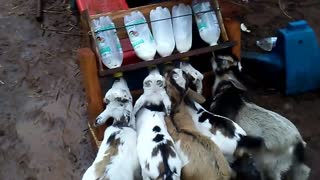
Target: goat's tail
165,153
298,170
299,152
248,144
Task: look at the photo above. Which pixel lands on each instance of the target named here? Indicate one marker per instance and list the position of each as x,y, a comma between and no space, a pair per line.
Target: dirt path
42,104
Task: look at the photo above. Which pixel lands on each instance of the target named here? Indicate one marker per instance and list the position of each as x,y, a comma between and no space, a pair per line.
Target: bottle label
102,45
134,34
201,23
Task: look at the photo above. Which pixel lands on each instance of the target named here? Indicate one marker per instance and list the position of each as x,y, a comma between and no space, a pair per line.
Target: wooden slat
160,60
234,34
88,68
216,6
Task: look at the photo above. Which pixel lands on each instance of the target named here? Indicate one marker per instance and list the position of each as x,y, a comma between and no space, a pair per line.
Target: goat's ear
195,96
236,83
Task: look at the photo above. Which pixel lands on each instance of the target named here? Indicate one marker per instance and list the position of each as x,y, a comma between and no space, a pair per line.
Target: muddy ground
42,103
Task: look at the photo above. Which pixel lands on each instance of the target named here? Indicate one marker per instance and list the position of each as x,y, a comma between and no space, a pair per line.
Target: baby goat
201,158
155,147
119,142
231,139
284,146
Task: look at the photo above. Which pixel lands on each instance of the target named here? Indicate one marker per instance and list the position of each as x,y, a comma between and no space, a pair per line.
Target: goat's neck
227,104
182,119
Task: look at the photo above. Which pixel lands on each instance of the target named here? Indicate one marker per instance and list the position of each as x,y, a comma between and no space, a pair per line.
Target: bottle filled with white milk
182,27
140,35
108,42
161,26
207,22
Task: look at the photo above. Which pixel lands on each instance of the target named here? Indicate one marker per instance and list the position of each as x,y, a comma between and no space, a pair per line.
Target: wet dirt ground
42,103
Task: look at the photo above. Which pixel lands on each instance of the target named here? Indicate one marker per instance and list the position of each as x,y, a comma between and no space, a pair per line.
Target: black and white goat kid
226,134
284,146
156,153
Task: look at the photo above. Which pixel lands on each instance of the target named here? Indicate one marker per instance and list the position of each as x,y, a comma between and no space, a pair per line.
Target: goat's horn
195,96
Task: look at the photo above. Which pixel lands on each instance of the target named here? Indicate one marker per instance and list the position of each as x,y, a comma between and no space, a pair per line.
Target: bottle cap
118,75
167,62
185,59
152,67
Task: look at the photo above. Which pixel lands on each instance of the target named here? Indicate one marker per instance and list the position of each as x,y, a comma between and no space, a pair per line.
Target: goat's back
202,158
278,132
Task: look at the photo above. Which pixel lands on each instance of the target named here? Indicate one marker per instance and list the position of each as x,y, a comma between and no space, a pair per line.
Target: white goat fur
122,166
152,131
146,121
279,134
226,144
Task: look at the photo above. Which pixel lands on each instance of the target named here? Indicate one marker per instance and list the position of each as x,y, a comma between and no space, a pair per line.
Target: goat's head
178,88
118,102
194,76
225,79
245,168
154,82
154,93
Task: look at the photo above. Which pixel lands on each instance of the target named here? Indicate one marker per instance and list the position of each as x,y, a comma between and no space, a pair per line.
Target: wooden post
89,71
234,33
220,20
85,27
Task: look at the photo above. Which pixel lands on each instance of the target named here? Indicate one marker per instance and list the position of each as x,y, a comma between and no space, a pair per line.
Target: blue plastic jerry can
296,55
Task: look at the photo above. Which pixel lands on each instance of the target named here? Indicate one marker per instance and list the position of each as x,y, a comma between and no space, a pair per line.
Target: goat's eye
107,101
147,83
159,83
175,76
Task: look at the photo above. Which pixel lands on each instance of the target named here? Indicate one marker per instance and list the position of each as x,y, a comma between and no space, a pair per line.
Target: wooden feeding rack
91,70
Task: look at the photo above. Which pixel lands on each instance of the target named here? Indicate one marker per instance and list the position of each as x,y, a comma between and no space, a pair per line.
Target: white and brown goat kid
119,142
155,147
118,102
284,146
201,158
194,76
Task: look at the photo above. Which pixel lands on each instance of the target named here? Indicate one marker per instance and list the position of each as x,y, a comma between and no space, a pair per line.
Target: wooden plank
216,6
86,40
88,68
228,9
160,60
234,34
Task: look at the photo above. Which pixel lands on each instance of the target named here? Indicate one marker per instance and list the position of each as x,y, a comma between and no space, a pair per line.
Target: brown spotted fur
206,161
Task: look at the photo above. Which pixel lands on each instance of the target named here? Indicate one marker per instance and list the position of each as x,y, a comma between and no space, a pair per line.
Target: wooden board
161,60
89,72
228,10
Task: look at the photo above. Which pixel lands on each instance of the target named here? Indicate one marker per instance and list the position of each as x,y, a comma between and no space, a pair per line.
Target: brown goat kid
201,158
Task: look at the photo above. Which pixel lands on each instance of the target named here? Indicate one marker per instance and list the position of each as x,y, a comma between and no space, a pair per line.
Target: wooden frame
90,72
